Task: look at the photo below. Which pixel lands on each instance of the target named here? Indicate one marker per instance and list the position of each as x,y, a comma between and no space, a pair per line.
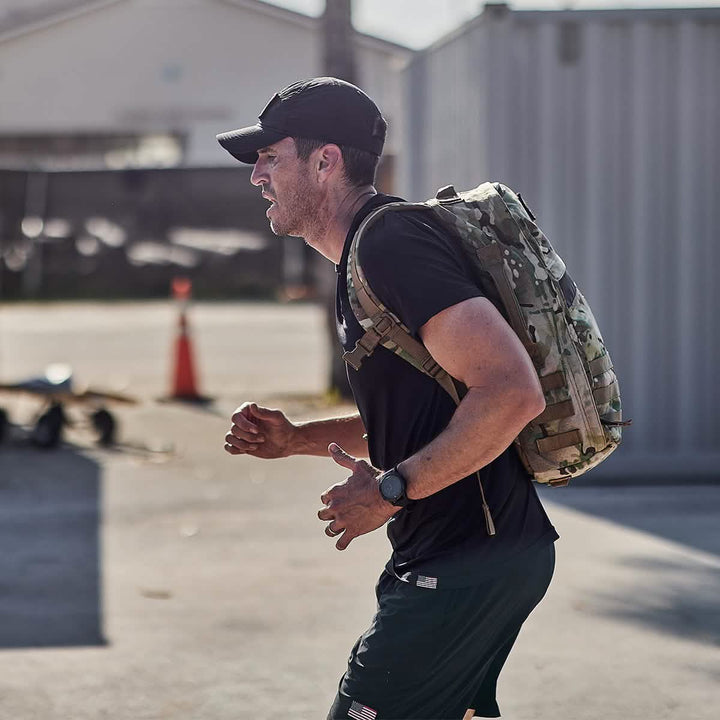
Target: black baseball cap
322,108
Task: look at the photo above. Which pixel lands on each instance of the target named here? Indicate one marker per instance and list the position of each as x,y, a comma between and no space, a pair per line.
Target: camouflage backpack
517,268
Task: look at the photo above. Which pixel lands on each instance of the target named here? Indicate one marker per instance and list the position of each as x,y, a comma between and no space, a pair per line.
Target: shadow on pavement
680,598
50,582
685,514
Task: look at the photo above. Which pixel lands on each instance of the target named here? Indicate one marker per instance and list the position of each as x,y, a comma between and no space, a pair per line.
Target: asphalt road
165,579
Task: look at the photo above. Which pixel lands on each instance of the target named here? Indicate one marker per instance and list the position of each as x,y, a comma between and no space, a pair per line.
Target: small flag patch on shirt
427,582
361,712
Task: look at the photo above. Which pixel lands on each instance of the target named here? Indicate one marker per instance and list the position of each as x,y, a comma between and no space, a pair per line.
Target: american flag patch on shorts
361,712
426,582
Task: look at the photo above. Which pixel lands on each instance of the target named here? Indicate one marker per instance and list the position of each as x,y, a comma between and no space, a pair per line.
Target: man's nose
258,176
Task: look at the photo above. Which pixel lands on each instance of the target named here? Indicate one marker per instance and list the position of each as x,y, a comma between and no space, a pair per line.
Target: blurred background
605,115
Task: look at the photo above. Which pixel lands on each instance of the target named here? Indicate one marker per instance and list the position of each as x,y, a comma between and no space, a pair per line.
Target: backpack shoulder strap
381,325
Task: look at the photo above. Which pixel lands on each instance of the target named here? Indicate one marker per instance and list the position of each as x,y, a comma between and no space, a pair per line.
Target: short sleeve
415,270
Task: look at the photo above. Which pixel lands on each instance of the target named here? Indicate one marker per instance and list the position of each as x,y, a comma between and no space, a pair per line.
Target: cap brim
244,143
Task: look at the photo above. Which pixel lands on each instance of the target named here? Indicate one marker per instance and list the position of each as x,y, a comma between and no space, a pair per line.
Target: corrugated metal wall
608,122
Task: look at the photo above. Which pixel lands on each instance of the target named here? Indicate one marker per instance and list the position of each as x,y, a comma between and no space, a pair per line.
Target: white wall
202,66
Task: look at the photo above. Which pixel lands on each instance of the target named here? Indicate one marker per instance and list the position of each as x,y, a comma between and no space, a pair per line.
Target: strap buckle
363,347
382,324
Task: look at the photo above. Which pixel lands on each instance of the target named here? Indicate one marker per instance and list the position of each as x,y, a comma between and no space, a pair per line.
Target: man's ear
329,160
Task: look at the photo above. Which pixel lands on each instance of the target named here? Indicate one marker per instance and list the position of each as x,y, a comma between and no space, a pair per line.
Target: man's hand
260,432
355,506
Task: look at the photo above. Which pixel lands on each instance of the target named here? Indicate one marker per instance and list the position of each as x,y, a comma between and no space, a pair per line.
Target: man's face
287,182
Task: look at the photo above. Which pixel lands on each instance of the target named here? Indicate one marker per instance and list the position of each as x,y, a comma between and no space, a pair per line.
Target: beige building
150,82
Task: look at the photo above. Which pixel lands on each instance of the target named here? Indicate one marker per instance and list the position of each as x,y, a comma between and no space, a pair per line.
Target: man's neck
340,212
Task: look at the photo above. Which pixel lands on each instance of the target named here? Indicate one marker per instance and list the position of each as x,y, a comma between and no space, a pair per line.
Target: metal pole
339,61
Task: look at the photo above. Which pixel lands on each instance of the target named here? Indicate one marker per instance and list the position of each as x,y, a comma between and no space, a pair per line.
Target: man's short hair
360,166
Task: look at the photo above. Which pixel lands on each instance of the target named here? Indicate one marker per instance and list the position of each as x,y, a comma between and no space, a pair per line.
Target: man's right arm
265,433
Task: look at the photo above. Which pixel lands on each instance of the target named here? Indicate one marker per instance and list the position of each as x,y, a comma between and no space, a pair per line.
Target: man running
452,597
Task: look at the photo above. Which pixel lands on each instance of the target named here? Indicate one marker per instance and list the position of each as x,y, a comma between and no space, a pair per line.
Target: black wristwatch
392,487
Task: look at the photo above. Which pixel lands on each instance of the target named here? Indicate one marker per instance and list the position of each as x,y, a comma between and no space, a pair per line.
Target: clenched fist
260,432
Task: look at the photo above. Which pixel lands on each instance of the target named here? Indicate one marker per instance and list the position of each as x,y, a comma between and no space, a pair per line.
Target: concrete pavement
186,583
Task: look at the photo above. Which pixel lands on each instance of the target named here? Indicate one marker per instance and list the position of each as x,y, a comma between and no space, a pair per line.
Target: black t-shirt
417,271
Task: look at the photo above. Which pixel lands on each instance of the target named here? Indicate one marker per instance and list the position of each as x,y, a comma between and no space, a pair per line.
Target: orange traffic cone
184,385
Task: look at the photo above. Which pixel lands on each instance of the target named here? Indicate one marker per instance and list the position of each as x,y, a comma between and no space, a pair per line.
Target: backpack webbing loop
553,381
559,441
600,365
556,411
604,395
448,195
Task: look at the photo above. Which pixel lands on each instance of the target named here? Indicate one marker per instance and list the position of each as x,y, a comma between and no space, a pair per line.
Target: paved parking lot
165,579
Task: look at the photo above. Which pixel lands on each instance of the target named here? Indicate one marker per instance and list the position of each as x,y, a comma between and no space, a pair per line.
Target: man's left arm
473,343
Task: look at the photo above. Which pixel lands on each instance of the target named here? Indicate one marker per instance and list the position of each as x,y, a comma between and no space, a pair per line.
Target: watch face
392,486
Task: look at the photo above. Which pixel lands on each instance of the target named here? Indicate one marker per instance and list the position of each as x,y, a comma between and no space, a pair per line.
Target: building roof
20,20
493,9
25,19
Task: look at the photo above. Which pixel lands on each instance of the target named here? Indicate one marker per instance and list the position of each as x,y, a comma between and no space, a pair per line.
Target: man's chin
283,230
275,226
279,230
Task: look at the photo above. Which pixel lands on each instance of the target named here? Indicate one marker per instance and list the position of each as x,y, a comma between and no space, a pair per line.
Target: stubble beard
299,213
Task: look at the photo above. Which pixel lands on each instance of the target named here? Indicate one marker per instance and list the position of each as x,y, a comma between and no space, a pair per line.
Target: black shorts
431,653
